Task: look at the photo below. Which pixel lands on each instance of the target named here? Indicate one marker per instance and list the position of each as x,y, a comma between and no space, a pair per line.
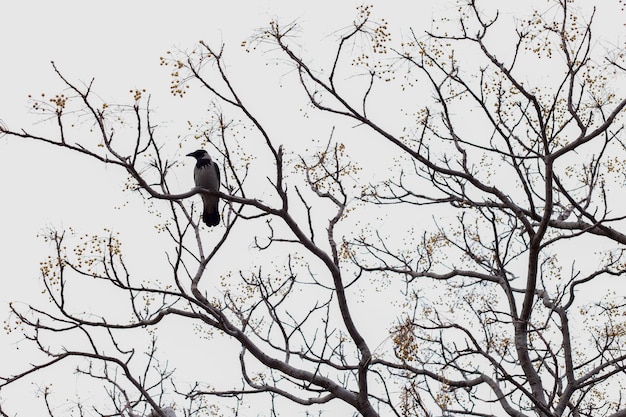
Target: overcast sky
119,44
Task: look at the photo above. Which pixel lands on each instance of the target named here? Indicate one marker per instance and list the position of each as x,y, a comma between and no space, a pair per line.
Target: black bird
206,174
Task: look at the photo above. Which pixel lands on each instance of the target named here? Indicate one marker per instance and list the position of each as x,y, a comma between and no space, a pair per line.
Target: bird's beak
190,154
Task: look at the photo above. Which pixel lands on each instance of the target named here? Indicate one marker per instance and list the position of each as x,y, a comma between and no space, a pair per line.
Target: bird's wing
217,173
207,176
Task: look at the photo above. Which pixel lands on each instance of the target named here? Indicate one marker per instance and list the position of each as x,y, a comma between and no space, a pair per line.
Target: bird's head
199,154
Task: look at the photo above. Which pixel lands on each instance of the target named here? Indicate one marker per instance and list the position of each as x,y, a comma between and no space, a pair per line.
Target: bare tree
506,176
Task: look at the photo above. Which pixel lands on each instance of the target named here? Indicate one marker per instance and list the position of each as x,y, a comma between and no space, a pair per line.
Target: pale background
119,44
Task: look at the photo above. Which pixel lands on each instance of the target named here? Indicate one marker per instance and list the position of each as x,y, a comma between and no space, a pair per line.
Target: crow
206,174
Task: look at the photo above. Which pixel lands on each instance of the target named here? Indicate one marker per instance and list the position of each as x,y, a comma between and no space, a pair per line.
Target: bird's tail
211,218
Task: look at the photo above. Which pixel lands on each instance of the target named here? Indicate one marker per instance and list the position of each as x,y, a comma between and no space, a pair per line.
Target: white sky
119,44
